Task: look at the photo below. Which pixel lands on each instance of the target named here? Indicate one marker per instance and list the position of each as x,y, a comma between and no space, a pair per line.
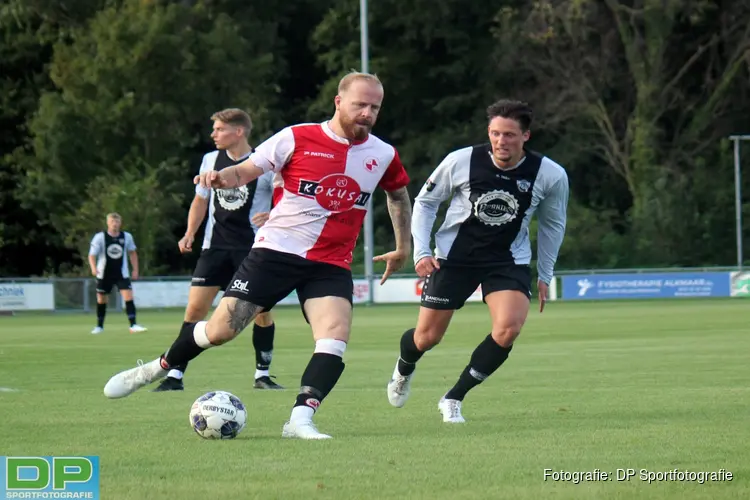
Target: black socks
407,361
319,378
263,344
486,358
101,312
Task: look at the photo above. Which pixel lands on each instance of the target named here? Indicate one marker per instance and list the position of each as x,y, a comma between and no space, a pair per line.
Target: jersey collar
343,140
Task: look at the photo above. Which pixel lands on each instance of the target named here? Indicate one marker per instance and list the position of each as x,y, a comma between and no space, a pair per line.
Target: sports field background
653,385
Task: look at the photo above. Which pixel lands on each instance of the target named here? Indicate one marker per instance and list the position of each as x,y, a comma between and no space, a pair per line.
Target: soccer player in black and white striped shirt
495,188
234,215
110,267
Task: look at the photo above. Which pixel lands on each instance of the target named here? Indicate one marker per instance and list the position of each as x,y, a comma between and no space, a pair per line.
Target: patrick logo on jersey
335,192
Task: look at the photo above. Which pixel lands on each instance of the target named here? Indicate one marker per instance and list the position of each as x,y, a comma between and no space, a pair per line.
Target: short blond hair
235,117
114,216
354,76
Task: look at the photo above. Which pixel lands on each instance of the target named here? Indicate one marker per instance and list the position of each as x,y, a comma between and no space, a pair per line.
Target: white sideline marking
8,389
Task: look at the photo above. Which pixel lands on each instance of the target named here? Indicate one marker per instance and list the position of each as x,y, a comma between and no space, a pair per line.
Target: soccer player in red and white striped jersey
328,171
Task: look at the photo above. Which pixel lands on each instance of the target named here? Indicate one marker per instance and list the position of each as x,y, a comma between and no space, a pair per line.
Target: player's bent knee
230,319
264,319
506,335
101,298
218,330
195,313
431,327
426,339
337,328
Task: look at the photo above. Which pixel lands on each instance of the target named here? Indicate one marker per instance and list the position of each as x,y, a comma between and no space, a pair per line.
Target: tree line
105,106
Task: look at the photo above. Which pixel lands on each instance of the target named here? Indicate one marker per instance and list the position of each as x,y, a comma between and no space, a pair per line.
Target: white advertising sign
27,296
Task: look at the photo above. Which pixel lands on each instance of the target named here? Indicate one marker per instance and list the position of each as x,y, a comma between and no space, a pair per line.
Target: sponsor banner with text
27,296
645,285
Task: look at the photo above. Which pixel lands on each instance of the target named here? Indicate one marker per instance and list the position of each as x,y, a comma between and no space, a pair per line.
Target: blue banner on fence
645,286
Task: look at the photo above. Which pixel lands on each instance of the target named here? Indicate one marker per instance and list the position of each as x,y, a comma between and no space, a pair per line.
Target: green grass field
645,385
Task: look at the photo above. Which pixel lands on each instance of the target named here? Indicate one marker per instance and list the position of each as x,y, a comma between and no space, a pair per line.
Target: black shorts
105,284
216,266
450,286
267,276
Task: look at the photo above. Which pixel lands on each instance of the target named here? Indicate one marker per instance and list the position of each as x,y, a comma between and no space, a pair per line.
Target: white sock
302,413
199,335
261,373
175,374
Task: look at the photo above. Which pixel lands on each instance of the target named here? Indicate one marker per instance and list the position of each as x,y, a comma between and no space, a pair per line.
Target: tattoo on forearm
399,208
237,177
241,313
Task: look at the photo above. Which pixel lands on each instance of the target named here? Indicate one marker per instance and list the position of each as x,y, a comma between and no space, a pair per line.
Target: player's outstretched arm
230,177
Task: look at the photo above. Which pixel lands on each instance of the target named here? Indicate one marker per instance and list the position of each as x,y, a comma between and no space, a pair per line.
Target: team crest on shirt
496,208
371,164
232,199
523,185
114,251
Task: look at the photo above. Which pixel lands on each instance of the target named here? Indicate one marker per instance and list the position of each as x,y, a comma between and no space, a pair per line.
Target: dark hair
514,110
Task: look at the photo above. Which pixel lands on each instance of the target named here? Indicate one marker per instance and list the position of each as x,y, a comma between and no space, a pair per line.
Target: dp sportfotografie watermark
645,475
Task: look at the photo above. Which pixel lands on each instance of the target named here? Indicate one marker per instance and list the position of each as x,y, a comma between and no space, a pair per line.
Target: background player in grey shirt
494,189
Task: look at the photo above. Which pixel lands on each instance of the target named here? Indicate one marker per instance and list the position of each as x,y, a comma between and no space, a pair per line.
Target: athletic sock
319,378
263,344
101,312
407,361
486,358
130,310
190,343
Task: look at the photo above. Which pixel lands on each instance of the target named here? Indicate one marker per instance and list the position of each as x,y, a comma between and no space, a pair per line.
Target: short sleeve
96,246
130,243
395,176
206,165
275,152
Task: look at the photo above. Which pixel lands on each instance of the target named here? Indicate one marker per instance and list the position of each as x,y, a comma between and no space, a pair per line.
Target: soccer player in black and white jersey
233,217
494,189
110,267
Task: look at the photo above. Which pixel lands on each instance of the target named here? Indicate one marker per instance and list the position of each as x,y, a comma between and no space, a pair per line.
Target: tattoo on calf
241,313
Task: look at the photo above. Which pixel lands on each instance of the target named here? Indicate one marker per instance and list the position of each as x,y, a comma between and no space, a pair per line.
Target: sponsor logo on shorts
239,286
436,300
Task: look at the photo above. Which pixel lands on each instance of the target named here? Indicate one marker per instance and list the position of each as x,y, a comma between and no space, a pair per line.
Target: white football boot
97,330
451,410
302,429
127,382
138,329
398,388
